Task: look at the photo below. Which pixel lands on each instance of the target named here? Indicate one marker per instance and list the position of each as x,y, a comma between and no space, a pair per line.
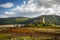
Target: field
43,33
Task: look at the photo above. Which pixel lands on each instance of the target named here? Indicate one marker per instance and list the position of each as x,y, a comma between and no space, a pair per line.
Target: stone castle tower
42,19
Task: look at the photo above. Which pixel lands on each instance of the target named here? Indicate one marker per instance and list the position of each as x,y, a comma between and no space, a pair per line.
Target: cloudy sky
29,8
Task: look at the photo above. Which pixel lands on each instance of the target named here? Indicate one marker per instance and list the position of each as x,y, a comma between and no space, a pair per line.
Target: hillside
13,20
49,19
52,19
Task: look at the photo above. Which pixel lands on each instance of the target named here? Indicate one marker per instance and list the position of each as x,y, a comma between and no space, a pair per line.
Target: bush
52,25
29,25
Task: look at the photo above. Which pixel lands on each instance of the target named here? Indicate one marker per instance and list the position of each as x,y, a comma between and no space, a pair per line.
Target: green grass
6,36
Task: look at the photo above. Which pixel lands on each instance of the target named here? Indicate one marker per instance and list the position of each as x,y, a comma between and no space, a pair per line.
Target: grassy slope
25,33
30,30
50,19
13,20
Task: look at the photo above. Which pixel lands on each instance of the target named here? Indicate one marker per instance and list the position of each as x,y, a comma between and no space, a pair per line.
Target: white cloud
36,8
9,13
3,16
32,10
7,5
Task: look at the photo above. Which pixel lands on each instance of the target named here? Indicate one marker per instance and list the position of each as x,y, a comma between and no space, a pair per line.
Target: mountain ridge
49,19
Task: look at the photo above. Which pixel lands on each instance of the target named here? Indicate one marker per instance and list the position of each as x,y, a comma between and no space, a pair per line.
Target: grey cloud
46,3
36,8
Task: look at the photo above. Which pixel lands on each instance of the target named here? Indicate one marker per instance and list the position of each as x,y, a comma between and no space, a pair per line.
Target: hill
49,19
13,20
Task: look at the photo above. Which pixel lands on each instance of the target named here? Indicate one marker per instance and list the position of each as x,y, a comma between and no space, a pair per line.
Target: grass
6,37
13,30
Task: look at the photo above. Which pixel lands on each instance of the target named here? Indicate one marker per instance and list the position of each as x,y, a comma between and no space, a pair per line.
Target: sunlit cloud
36,8
7,5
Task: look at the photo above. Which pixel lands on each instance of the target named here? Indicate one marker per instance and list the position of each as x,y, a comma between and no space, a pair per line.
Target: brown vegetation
31,31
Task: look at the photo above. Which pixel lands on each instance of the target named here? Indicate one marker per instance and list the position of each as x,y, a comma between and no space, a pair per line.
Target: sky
29,8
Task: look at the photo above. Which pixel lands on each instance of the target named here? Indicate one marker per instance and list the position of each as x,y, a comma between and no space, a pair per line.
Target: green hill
14,20
49,19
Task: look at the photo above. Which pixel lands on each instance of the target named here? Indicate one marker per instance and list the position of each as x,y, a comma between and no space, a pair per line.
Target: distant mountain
14,20
49,19
52,19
